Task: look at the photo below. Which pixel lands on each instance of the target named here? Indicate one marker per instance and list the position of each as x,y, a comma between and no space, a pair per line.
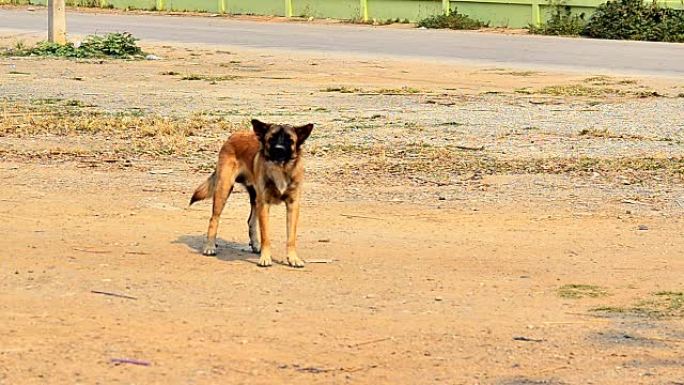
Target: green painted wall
334,9
211,6
257,7
403,9
132,4
499,13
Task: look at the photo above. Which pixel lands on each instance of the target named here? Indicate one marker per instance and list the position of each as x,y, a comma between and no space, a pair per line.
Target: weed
398,91
454,20
169,73
580,291
342,89
561,23
524,91
112,45
577,90
636,20
18,73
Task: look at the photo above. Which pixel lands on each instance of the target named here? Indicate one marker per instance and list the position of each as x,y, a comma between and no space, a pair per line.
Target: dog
268,161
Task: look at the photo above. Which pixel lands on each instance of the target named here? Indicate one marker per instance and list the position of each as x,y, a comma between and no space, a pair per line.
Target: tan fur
246,157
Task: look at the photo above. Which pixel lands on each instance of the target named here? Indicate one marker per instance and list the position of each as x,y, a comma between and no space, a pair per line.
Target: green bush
112,45
635,20
561,23
454,20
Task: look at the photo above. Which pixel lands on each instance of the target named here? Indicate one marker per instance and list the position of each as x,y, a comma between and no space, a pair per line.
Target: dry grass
154,135
443,163
574,291
663,304
383,91
578,90
151,134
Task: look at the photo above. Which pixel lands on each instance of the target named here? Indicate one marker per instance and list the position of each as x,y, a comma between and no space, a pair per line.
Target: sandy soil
407,282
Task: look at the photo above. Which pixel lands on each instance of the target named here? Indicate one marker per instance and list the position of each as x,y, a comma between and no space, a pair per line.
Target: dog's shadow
225,251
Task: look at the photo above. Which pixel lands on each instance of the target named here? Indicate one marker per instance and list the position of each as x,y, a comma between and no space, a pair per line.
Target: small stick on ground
361,216
370,342
91,251
438,183
113,294
470,148
129,361
553,369
137,252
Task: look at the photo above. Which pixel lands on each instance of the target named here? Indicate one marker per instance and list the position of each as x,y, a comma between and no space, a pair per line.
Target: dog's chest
279,184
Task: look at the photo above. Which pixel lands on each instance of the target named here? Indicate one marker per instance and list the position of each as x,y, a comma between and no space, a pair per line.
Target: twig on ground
119,361
553,369
633,202
91,251
353,370
370,342
113,294
440,184
137,252
470,148
526,339
361,216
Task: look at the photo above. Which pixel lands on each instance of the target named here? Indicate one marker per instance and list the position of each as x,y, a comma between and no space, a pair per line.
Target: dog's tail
205,189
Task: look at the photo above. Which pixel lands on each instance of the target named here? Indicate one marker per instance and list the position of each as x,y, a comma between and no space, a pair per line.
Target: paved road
478,48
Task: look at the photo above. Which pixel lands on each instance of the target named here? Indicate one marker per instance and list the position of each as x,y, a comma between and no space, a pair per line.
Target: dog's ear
303,132
260,128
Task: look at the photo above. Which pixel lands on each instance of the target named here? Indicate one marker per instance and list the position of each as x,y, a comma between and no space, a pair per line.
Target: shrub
454,20
561,23
113,45
635,20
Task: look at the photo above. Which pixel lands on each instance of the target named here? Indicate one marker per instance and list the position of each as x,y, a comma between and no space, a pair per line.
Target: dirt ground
461,225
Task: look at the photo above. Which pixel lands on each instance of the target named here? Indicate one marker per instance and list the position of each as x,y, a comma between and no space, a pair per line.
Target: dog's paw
295,261
265,261
255,247
209,249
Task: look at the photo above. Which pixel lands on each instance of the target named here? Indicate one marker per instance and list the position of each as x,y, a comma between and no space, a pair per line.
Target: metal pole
56,22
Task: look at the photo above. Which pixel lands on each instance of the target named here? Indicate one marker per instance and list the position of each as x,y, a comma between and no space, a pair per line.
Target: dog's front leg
292,219
265,257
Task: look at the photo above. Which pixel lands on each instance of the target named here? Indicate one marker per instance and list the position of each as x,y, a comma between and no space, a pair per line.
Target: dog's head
280,142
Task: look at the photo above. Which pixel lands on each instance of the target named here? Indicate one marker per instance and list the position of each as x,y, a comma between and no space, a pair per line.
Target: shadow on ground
226,251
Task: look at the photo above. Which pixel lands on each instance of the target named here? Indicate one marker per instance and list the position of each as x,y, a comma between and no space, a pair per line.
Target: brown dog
268,162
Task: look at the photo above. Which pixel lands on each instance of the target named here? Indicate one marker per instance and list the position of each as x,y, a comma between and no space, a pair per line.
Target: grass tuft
575,291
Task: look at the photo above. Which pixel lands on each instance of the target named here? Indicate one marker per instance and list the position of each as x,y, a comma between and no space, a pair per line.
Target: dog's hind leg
224,186
252,221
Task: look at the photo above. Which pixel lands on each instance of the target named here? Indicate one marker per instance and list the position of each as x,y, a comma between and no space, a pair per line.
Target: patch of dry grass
148,134
576,291
578,90
663,304
382,91
443,163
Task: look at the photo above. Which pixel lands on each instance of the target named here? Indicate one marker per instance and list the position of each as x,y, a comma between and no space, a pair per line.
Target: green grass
112,45
454,20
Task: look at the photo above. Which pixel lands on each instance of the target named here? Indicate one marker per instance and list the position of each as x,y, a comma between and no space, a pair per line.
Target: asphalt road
535,52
